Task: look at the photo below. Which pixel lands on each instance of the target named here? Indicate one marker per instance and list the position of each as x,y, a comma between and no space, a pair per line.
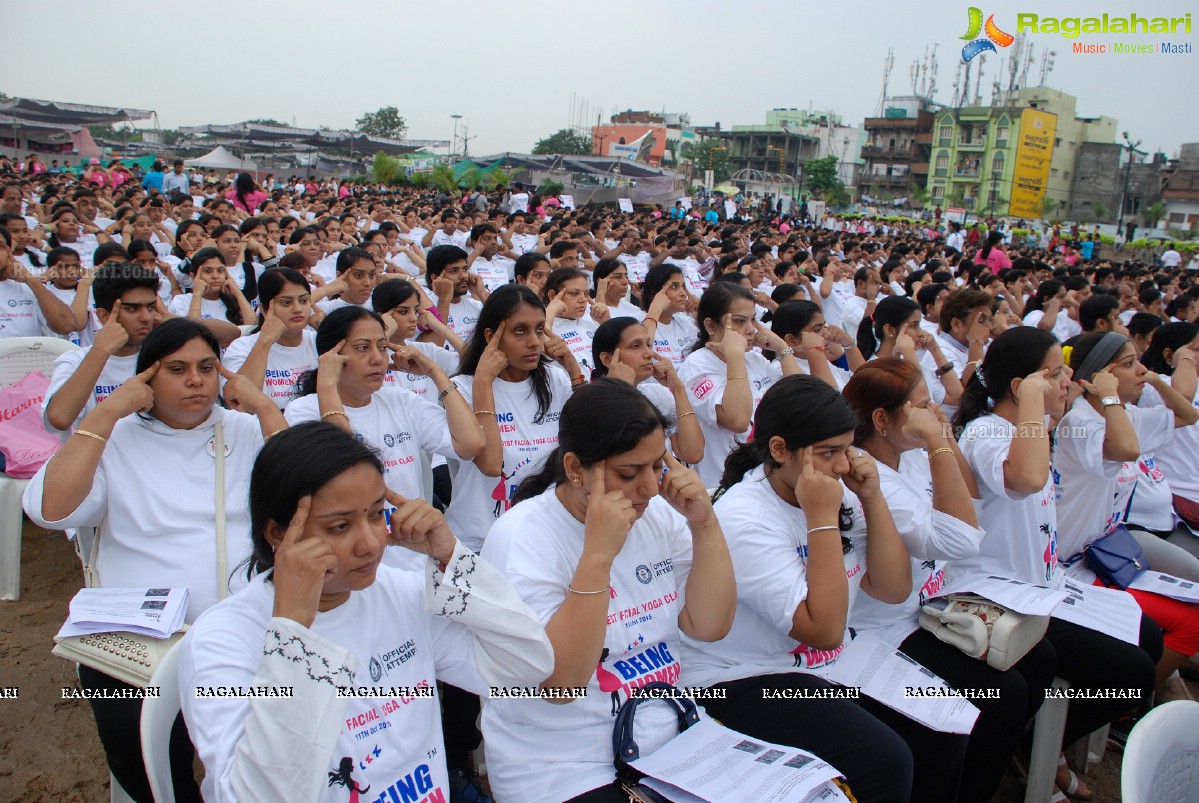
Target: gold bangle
487,412
731,378
335,412
936,452
681,417
92,435
587,593
1030,423
273,434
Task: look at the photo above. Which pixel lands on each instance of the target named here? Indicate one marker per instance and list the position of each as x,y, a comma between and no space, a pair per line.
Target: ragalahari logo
994,36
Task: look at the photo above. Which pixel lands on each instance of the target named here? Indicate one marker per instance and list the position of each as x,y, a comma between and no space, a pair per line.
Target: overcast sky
509,68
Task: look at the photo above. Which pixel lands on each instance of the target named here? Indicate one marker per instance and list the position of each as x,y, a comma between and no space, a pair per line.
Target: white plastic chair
19,357
1048,729
1161,759
158,718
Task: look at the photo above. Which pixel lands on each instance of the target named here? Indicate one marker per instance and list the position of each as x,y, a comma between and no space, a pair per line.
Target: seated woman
1021,384
1102,439
321,614
572,315
282,347
612,288
611,522
724,377
809,531
664,298
140,467
622,350
894,331
912,442
347,389
214,296
1163,524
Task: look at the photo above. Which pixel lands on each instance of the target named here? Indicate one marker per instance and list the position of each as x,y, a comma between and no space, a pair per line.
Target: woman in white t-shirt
615,547
400,304
918,460
141,468
801,325
724,378
1048,309
517,395
347,389
1101,439
1021,384
213,293
894,330
571,314
282,348
622,350
664,298
612,289
360,645
808,530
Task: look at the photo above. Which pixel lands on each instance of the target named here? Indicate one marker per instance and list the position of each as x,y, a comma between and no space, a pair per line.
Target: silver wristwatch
1111,401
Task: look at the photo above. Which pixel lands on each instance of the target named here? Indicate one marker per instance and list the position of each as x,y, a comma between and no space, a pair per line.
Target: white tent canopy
221,159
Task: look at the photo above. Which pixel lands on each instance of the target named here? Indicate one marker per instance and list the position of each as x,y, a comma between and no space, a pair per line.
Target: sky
510,68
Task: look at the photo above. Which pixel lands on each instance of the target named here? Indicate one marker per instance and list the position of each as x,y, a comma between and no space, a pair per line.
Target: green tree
820,177
564,141
919,197
1048,205
550,187
1154,212
1100,209
711,154
442,178
386,122
386,169
499,178
267,121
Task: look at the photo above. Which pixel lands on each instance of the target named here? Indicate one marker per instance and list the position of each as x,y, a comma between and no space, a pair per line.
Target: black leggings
459,729
883,755
118,723
1001,721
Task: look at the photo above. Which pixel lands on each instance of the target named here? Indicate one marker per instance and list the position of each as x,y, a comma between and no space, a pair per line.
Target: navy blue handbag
1117,558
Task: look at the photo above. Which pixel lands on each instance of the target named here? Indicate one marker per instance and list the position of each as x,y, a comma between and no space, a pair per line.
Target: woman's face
910,327
193,238
213,274
213,224
676,291
634,473
741,316
636,351
293,306
310,247
1058,376
348,514
1130,374
67,227
791,276
146,259
618,285
523,341
229,244
66,272
142,227
573,293
919,397
258,235
367,358
405,314
186,385
830,457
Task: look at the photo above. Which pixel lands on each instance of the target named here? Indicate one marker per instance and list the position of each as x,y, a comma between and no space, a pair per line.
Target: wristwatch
1111,401
944,369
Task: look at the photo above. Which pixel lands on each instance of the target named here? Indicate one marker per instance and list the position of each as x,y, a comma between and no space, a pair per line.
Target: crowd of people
472,445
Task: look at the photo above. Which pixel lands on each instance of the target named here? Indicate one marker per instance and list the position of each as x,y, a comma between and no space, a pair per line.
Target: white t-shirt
578,334
20,313
705,376
464,315
852,314
80,337
116,370
673,340
327,305
1092,493
518,202
1179,461
524,243
931,537
420,384
457,238
284,364
209,308
1063,328
538,752
398,425
156,486
495,272
768,541
478,499
1021,539
626,309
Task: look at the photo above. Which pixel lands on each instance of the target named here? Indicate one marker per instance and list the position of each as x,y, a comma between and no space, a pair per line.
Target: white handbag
132,657
984,630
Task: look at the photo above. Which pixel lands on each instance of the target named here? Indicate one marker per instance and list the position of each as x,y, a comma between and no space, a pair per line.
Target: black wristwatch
944,369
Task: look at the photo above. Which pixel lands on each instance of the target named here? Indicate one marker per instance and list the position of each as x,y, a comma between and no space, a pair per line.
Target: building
1104,179
1180,190
655,138
895,154
1016,158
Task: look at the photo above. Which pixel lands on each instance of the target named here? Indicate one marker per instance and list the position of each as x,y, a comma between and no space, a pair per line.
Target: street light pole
1131,147
454,141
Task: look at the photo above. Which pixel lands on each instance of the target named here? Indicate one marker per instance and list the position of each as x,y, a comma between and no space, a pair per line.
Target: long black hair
1015,354
605,418
714,304
891,311
296,463
334,329
232,308
1045,291
606,340
496,309
1172,336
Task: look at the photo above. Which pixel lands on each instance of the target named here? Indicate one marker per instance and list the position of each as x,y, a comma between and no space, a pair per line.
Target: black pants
1001,721
884,755
442,487
459,713
119,724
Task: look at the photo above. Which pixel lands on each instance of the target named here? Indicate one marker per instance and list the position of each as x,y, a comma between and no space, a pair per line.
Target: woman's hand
273,328
560,353
862,478
683,490
767,339
658,306
134,395
329,365
610,516
241,394
664,371
818,494
417,525
554,309
410,360
300,569
1102,384
493,360
621,371
733,341
922,424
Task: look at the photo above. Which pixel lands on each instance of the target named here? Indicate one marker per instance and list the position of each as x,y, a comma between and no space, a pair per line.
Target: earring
574,479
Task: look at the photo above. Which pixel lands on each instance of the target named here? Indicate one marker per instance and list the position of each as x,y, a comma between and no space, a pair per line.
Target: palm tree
442,178
500,178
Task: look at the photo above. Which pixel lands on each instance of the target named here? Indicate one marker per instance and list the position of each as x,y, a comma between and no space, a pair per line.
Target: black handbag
625,749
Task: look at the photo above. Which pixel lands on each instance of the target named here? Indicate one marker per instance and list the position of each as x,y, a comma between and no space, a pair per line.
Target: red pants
1179,621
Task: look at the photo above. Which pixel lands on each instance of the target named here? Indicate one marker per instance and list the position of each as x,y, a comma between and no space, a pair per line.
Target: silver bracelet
587,593
787,352
825,527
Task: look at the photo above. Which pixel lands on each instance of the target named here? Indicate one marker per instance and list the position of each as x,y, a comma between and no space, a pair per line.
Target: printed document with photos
154,612
708,763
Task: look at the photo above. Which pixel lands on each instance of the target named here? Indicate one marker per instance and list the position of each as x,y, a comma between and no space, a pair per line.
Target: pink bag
23,438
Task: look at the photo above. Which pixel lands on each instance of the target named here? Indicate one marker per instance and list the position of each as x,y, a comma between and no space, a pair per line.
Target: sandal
1074,786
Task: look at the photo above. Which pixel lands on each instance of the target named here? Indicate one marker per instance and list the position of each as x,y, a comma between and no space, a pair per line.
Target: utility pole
1131,147
454,141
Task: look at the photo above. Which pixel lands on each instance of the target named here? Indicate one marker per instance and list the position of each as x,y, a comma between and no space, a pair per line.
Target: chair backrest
158,718
21,356
1161,759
